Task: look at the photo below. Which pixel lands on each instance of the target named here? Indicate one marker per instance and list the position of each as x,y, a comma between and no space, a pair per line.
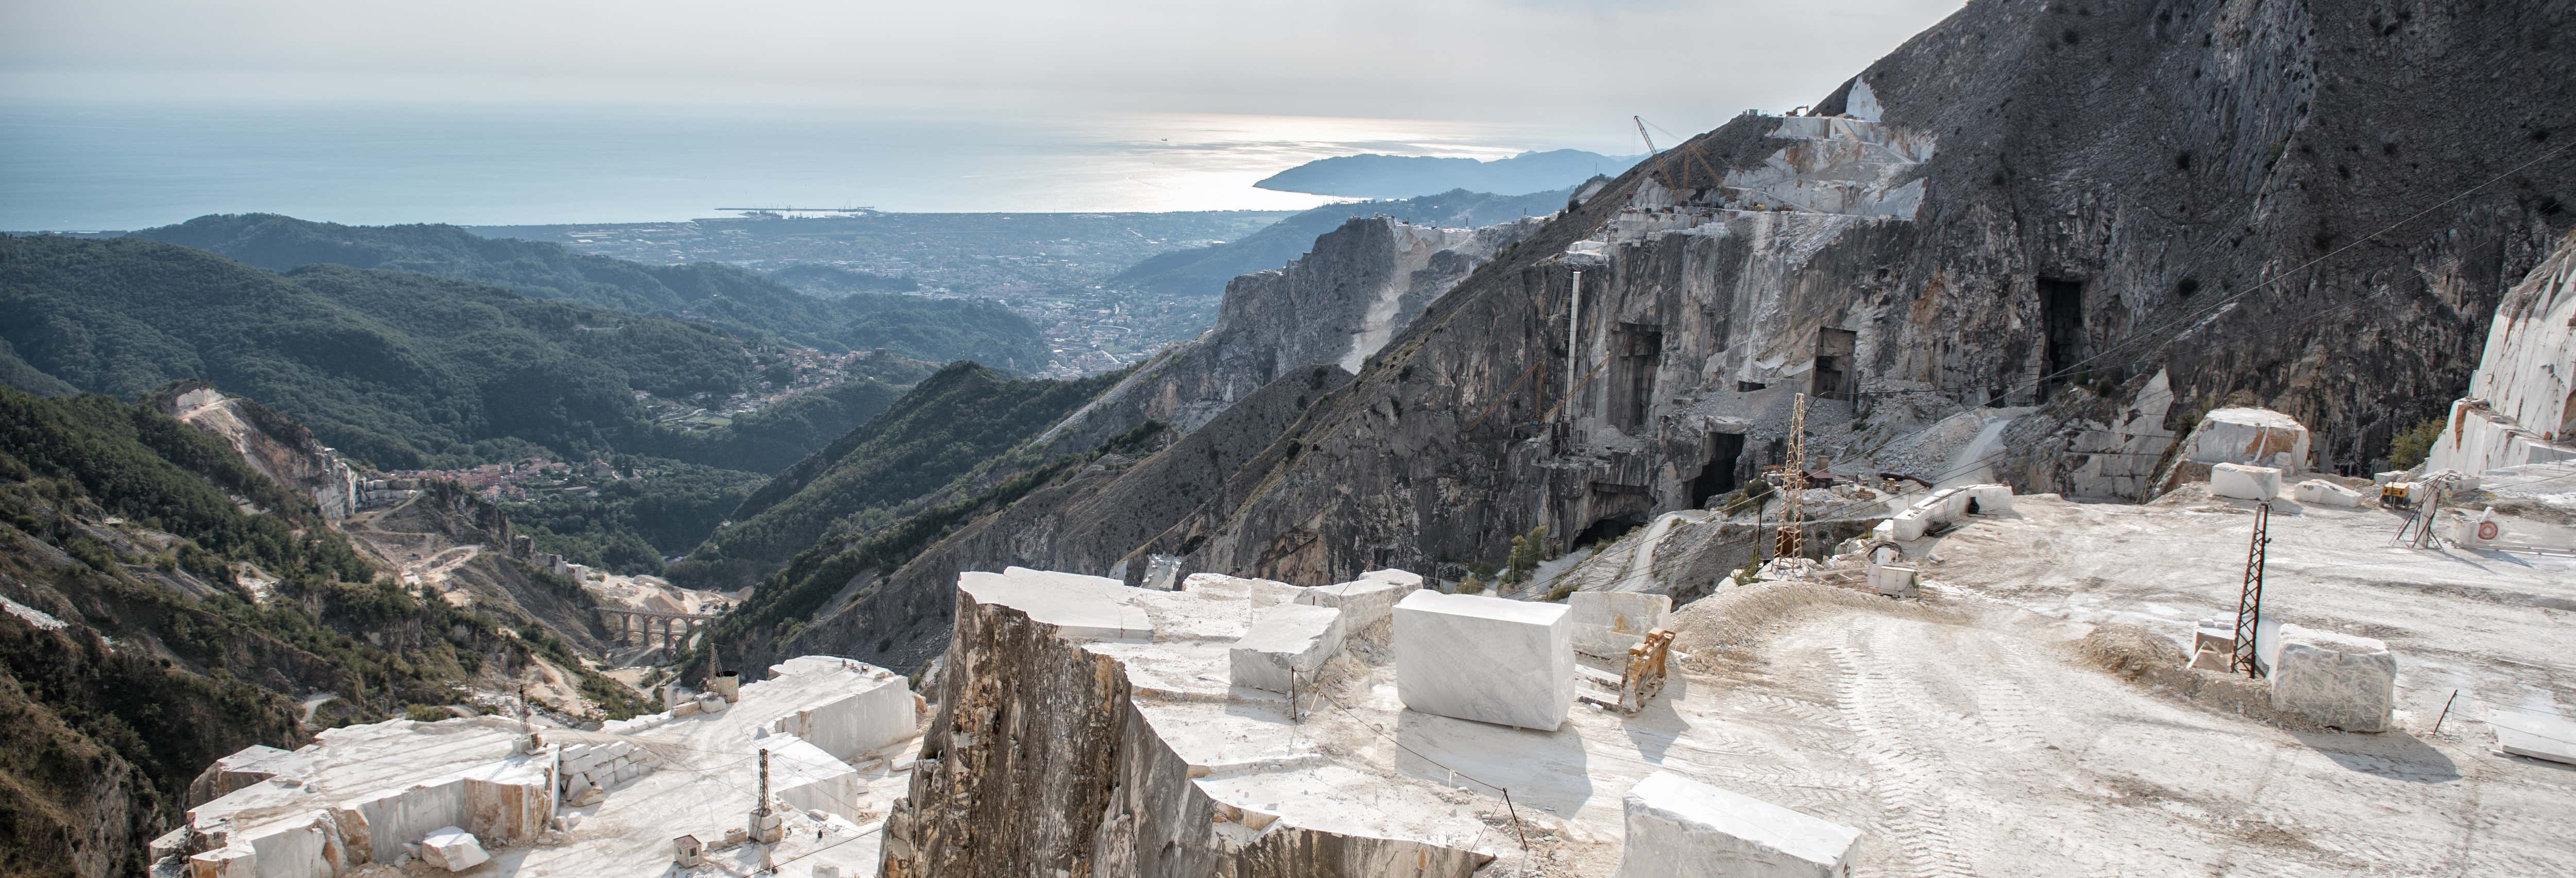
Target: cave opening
1640,354
1605,530
2061,314
1832,373
1717,475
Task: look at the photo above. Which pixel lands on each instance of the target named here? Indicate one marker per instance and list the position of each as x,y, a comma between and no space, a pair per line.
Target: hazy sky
1685,64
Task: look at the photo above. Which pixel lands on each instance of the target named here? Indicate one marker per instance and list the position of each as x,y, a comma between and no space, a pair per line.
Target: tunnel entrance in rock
1637,351
2061,315
1717,472
2062,333
1832,377
1605,530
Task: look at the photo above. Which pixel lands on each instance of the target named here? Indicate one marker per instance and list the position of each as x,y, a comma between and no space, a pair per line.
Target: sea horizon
107,166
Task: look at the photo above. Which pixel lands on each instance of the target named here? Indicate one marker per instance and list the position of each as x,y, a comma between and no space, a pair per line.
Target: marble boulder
453,849
2337,680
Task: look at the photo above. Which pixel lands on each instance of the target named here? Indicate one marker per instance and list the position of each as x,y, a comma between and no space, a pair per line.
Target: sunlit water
68,166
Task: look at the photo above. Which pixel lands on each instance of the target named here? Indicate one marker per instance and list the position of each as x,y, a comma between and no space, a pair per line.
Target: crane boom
1658,156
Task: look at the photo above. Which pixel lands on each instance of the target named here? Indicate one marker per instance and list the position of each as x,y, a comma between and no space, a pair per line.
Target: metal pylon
2249,601
1791,517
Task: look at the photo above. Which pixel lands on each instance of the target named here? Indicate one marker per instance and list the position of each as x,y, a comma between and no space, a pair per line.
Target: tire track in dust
1908,782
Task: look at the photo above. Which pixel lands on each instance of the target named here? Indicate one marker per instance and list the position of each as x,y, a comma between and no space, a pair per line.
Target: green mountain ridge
737,300
946,428
400,370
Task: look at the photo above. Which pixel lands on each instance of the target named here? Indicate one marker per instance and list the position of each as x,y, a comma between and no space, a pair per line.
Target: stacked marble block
1486,659
1606,623
1295,630
2241,482
1682,828
594,768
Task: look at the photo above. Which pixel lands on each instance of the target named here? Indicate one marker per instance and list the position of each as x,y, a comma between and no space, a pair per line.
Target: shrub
2411,445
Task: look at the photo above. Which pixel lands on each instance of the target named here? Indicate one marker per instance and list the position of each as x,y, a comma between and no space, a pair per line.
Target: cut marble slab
2524,733
1682,828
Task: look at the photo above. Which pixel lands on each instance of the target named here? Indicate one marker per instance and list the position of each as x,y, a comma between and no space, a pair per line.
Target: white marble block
1894,580
1367,600
2319,492
1283,639
2336,680
2521,732
2244,482
1606,623
1482,658
453,849
1682,828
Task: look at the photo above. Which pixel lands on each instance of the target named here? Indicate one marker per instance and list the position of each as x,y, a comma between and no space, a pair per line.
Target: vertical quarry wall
1039,763
2521,406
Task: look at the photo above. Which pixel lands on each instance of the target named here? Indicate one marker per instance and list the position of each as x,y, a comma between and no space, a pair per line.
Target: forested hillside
153,623
740,301
946,427
400,370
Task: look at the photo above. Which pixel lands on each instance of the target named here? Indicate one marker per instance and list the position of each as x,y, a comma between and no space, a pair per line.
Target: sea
92,166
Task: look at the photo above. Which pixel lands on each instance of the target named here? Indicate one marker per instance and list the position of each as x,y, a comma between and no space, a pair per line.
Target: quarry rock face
2110,261
1041,762
2521,404
276,446
1337,305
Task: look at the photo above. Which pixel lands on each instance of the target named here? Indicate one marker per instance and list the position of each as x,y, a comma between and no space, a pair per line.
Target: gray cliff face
2033,206
1338,304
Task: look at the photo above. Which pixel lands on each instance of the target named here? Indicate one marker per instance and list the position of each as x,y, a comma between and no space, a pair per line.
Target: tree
1527,551
2410,446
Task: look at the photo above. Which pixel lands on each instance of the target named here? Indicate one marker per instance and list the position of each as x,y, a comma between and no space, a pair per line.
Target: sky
1686,65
